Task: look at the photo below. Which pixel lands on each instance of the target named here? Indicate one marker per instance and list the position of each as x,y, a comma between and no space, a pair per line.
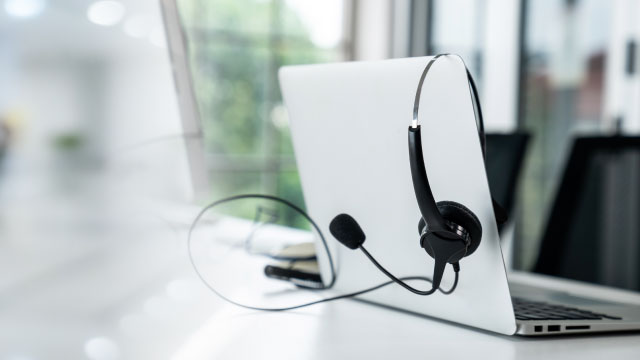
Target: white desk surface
88,295
355,330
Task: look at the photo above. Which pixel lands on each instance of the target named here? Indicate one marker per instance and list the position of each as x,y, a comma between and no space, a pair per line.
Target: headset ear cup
461,215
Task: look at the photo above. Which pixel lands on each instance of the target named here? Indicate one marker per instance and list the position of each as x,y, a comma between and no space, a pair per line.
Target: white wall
112,89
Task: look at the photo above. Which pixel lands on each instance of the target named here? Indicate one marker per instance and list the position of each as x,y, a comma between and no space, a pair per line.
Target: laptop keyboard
535,310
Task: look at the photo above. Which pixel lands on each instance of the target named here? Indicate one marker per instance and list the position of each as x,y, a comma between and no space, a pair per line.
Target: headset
448,230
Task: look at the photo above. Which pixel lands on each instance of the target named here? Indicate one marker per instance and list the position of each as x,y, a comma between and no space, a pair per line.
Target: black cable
395,279
338,297
455,282
267,197
364,291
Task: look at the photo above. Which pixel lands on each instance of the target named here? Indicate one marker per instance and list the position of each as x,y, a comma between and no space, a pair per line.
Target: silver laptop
349,124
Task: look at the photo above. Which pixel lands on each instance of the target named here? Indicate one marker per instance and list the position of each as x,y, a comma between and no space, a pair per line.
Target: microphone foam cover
347,231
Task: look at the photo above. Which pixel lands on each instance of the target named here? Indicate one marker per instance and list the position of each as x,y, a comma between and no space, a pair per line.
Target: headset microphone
347,231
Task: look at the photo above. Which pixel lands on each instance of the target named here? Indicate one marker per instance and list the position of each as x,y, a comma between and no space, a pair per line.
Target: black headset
448,230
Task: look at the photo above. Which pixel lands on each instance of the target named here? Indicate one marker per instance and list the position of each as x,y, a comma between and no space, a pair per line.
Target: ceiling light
24,8
106,13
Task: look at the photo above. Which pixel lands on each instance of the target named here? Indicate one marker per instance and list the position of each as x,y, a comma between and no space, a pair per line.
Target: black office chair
593,228
505,154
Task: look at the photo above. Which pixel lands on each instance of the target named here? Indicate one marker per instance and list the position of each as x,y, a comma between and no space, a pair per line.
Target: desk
356,330
90,295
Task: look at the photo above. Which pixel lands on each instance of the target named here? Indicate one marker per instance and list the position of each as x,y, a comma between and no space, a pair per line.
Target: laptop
349,125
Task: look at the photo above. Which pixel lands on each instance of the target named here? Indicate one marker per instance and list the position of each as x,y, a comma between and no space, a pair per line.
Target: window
236,48
563,73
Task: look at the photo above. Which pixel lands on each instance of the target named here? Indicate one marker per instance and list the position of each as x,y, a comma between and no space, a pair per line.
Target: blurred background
90,136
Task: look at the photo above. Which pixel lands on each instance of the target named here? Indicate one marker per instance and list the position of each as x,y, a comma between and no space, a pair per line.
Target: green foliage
68,142
236,48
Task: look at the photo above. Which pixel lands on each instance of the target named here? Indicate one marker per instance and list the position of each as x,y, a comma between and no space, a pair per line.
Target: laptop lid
349,124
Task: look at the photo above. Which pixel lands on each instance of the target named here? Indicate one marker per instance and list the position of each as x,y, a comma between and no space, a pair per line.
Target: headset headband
424,195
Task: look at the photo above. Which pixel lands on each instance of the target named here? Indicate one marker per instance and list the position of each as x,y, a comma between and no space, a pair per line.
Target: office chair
592,232
505,154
